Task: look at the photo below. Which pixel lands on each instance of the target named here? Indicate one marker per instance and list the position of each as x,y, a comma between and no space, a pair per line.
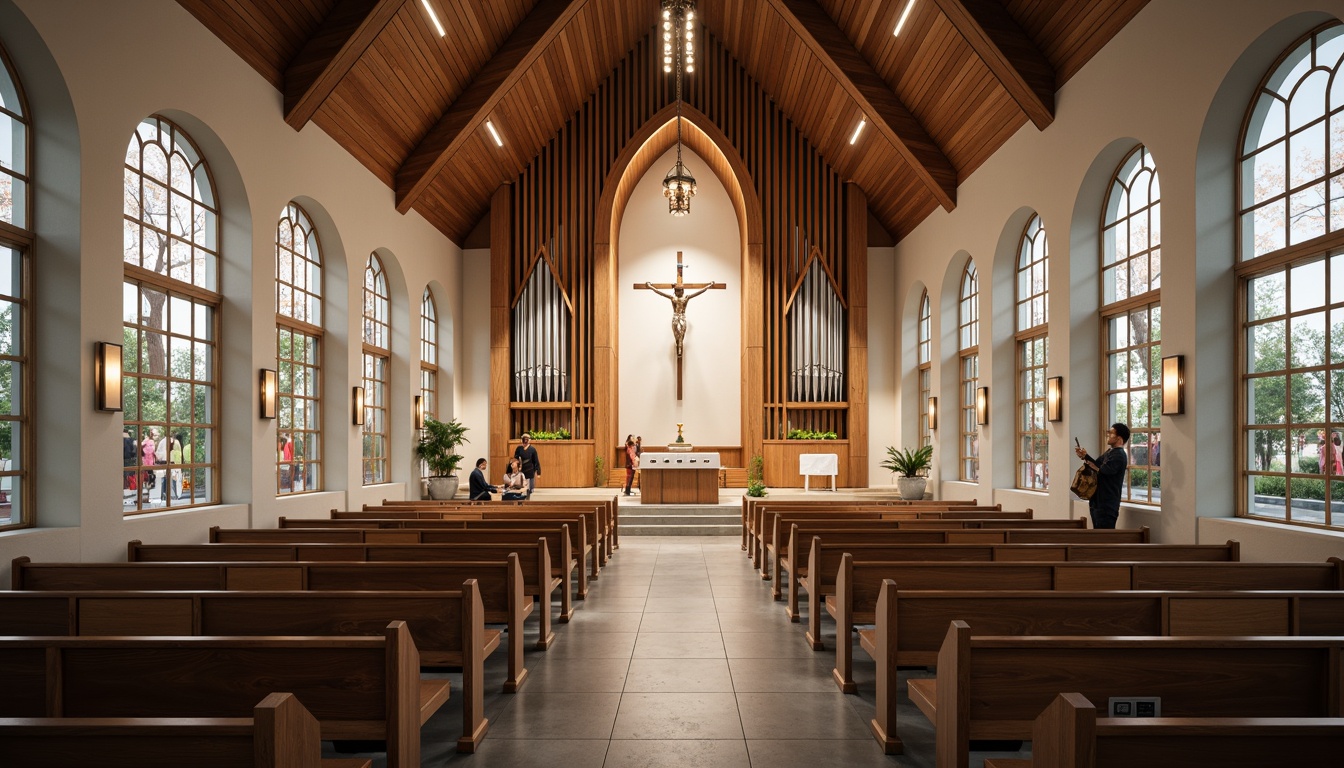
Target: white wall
1178,79
91,78
712,367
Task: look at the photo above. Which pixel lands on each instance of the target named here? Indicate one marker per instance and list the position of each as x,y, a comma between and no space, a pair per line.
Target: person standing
629,463
175,458
639,451
479,488
1104,506
527,458
128,459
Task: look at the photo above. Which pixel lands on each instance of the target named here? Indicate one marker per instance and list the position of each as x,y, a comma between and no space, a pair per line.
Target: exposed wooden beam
331,52
504,69
857,77
1008,52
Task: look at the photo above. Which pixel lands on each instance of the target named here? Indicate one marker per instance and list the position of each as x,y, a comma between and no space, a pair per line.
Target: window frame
308,461
1026,339
21,238
138,277
924,352
376,365
968,356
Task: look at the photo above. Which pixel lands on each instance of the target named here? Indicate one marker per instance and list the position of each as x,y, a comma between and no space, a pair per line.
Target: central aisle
679,657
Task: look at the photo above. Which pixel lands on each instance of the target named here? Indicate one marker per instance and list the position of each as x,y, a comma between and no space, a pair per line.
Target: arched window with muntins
968,366
1033,347
298,301
16,247
429,356
170,303
1131,319
377,359
925,367
1290,279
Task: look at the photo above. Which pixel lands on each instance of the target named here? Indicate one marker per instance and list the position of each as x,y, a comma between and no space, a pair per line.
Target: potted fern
437,448
907,464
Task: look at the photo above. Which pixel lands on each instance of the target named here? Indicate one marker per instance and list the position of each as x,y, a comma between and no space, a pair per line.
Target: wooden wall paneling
856,252
502,222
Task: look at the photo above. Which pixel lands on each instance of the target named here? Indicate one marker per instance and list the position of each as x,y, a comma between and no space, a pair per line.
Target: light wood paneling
781,462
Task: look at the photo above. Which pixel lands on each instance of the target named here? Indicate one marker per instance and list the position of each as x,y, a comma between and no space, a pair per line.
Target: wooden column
606,393
856,256
501,250
753,350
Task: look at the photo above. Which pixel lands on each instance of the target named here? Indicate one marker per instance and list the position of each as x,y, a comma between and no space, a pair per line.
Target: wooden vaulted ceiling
961,78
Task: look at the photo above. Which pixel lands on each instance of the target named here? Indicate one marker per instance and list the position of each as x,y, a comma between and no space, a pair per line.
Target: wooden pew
858,585
563,564
824,555
533,559
611,505
778,523
448,628
604,514
993,687
279,734
578,537
1068,734
589,546
500,584
911,625
357,687
749,504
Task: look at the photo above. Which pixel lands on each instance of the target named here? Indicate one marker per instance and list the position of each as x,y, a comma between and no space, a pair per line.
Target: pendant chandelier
678,54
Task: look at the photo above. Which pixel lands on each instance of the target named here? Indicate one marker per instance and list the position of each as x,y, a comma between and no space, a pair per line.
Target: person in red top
630,462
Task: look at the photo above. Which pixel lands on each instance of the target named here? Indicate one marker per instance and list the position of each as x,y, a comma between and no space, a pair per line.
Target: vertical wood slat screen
553,204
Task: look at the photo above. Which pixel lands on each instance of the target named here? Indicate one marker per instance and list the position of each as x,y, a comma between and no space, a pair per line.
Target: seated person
515,482
480,490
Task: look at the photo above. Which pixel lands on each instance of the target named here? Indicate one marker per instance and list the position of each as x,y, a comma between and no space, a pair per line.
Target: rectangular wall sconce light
419,412
933,413
1173,385
1054,398
359,406
982,405
269,385
107,376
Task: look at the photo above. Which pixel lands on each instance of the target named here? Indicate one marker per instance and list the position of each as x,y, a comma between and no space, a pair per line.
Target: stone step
681,519
643,529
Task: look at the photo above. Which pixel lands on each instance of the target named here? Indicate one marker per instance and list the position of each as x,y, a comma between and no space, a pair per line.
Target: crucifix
679,299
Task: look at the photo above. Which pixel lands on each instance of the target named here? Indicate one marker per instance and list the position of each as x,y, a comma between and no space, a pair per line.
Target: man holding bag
1104,506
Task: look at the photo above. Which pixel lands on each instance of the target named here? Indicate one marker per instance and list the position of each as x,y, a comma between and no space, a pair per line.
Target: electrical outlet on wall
1135,706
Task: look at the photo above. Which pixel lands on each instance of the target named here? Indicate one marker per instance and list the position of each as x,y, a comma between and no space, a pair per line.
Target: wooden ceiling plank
522,48
329,55
1012,56
890,115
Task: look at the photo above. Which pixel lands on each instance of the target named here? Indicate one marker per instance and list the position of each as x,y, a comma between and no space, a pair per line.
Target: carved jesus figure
679,300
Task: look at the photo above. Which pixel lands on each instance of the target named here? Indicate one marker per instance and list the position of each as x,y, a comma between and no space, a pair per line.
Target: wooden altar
679,478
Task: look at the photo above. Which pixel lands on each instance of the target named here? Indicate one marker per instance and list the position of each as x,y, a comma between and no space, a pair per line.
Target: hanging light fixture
678,54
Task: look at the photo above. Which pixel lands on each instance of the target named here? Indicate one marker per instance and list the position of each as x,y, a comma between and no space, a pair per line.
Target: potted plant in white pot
907,464
437,448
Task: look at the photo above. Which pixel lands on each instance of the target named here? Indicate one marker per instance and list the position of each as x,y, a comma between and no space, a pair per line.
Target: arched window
925,368
377,358
1291,287
298,353
1033,347
16,245
968,364
1131,316
429,356
170,304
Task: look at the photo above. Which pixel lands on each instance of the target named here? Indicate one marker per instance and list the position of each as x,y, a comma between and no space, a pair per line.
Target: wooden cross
679,299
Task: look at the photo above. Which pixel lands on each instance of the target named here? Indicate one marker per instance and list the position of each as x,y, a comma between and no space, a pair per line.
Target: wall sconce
982,405
933,413
359,406
419,412
1054,398
1173,385
269,385
107,376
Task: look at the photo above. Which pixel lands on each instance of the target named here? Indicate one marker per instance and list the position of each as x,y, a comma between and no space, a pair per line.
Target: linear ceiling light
859,129
434,17
904,15
489,126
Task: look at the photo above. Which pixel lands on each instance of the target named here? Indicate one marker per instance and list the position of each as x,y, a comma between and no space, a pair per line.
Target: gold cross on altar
679,299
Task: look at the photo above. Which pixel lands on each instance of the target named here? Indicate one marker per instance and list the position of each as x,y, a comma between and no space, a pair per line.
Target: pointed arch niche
789,203
637,160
